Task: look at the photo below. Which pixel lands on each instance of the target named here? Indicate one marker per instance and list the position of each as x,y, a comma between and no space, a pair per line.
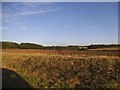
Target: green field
62,69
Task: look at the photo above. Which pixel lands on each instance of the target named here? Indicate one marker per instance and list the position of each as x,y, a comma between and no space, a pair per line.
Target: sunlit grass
65,70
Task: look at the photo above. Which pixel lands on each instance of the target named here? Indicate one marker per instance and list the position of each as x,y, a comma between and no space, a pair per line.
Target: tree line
13,45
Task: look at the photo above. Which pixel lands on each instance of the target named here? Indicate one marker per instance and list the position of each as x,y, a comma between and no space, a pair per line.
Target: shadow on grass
11,79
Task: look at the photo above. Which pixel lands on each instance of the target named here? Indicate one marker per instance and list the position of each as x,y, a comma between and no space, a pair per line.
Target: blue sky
57,23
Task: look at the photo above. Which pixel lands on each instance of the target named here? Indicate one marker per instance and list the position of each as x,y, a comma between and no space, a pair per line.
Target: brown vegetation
65,69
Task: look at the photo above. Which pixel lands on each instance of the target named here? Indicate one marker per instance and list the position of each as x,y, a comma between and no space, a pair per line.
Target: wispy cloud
28,8
35,11
4,28
24,28
12,12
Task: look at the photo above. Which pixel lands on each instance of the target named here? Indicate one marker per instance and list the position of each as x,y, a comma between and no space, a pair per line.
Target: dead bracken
56,70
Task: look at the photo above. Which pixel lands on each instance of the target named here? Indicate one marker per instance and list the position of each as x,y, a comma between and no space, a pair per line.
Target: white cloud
21,9
60,0
24,28
12,11
4,28
35,11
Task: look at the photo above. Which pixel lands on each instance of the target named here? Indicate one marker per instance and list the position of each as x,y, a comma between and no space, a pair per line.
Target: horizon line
65,45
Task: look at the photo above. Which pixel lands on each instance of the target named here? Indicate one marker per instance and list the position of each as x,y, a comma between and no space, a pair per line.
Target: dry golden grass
65,69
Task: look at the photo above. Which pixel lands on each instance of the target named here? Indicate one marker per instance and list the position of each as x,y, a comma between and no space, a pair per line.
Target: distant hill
13,45
6,45
30,46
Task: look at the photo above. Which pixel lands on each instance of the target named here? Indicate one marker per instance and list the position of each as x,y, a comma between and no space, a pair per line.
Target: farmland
64,68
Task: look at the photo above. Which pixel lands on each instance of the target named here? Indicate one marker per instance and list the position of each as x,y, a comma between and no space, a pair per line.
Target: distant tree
30,46
8,45
72,47
103,46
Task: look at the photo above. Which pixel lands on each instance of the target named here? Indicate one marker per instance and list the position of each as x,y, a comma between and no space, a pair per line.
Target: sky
60,23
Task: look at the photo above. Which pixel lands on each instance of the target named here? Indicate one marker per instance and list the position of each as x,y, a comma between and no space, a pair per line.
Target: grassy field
64,69
109,49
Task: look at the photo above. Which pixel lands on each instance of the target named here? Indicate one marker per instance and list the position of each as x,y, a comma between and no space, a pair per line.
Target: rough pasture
65,69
